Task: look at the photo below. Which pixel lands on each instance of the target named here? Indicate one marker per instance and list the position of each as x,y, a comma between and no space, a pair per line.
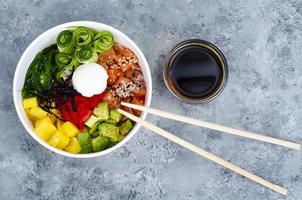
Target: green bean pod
103,41
82,36
86,54
65,42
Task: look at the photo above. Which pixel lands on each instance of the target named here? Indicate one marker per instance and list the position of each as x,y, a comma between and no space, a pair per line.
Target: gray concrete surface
262,41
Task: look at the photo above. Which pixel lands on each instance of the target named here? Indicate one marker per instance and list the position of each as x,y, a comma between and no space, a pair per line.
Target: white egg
90,79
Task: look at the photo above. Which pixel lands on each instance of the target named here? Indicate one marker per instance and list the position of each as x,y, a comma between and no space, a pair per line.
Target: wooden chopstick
205,154
213,126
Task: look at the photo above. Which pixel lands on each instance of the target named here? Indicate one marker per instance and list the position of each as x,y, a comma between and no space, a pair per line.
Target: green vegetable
121,137
111,121
86,54
65,60
64,42
115,115
46,75
31,85
67,63
125,127
109,130
95,134
103,41
64,74
82,36
102,111
100,143
85,142
91,121
111,144
95,127
38,77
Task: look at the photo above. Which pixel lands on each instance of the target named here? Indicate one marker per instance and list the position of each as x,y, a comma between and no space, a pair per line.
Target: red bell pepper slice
84,108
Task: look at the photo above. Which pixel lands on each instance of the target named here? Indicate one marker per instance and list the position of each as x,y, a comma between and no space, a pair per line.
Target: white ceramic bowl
49,37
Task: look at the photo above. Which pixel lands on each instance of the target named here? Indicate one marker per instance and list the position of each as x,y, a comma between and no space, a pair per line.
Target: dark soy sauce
195,71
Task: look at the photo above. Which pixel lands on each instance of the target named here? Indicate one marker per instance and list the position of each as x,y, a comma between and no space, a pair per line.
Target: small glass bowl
219,58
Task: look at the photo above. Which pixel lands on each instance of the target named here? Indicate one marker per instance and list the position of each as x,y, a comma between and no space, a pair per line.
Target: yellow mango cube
53,117
54,140
59,124
59,140
64,140
73,146
40,120
38,112
70,129
37,123
30,102
32,118
27,111
45,129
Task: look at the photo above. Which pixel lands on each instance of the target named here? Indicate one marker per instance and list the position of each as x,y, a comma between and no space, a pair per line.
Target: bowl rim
18,104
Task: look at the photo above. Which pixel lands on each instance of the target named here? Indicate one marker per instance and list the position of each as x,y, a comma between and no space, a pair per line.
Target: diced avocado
115,115
91,121
83,138
85,142
109,130
95,134
111,144
121,137
100,143
126,126
102,111
95,127
111,121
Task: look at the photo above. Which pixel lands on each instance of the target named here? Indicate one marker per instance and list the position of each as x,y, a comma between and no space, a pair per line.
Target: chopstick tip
284,191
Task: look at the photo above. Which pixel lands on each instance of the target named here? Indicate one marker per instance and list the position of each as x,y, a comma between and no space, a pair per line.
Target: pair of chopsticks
204,153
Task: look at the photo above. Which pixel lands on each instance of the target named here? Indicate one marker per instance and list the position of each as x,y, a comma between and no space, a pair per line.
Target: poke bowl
69,83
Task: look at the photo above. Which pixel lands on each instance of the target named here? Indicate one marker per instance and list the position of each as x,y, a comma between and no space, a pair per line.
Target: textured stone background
262,41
